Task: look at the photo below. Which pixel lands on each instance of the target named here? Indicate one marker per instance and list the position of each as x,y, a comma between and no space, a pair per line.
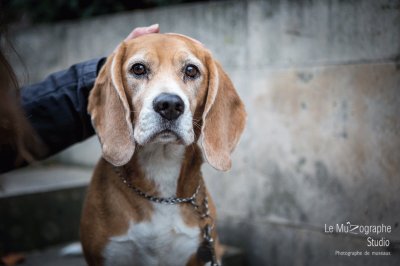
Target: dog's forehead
165,45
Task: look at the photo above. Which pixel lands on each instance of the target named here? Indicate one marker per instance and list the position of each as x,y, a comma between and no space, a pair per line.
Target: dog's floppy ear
224,118
110,112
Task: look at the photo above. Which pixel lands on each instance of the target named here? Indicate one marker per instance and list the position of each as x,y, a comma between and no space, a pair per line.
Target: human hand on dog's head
139,31
155,28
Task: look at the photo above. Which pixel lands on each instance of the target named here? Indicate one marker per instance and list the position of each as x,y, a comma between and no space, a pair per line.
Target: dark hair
17,136
7,74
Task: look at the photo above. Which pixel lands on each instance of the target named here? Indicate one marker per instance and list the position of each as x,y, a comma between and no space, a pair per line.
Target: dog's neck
162,164
173,169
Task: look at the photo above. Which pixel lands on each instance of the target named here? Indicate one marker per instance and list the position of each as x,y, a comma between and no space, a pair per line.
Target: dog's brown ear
110,112
224,118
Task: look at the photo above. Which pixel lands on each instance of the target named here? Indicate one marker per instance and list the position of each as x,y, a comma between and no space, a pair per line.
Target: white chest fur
162,164
165,240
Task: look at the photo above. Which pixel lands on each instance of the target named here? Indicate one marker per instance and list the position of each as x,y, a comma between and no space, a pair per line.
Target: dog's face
166,80
165,88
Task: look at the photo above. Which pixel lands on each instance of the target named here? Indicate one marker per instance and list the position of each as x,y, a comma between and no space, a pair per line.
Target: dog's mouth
152,131
166,136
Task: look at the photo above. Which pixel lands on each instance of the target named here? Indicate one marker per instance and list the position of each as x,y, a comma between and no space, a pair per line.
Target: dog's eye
139,69
191,71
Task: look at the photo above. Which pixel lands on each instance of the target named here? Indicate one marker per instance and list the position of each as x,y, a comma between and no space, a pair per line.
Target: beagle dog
160,104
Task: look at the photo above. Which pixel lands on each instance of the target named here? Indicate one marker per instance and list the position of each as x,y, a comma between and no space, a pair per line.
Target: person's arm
56,110
57,106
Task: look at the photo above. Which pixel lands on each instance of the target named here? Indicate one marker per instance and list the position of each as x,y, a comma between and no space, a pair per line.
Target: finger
155,28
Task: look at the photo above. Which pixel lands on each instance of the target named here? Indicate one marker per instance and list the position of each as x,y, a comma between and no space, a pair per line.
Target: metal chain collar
207,230
170,200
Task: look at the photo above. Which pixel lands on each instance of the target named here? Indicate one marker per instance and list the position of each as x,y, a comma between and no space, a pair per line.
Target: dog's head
165,88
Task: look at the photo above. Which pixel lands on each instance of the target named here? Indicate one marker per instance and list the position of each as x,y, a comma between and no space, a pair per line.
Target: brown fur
219,118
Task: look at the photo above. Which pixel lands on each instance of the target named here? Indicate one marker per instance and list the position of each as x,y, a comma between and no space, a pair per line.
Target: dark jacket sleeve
57,106
57,109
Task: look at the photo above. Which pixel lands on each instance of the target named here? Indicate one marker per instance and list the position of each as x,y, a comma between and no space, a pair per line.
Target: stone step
39,179
41,206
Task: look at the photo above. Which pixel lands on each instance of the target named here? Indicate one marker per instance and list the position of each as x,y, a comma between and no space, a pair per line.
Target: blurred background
321,83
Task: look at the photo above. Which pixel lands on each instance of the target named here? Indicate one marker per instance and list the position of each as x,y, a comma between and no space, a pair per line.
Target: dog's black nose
170,106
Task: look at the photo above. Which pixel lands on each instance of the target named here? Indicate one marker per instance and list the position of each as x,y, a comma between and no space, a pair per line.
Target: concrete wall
321,82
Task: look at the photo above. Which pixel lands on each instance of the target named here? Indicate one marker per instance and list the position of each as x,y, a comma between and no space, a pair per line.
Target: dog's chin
166,137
